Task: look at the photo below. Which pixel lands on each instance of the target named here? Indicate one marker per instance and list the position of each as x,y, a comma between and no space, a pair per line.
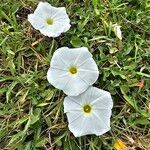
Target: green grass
31,110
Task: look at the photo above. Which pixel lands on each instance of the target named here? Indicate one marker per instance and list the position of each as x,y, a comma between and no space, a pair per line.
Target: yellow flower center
73,70
87,109
49,21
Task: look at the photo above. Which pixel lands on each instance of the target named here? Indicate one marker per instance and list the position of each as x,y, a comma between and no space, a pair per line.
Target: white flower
72,70
89,113
49,20
117,31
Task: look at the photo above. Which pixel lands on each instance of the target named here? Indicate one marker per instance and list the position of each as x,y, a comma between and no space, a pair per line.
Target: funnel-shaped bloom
72,70
89,112
49,20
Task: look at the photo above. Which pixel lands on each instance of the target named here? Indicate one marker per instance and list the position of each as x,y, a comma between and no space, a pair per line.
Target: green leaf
33,118
17,137
10,88
41,141
118,72
142,121
22,120
48,94
81,24
59,138
130,100
76,42
42,104
143,74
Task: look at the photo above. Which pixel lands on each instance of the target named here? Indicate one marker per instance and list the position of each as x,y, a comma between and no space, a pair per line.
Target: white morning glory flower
89,112
72,70
49,20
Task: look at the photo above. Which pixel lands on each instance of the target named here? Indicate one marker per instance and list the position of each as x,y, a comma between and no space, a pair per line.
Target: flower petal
57,77
70,101
99,98
64,81
76,122
75,86
103,119
36,21
80,125
58,61
82,54
102,99
74,56
46,10
88,96
89,71
49,31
